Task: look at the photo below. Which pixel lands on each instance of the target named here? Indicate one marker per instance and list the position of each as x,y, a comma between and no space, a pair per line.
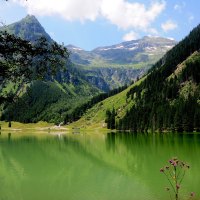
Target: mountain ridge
122,63
105,69
166,99
150,39
125,43
148,42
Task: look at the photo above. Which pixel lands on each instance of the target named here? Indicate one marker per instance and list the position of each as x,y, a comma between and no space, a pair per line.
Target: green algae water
112,166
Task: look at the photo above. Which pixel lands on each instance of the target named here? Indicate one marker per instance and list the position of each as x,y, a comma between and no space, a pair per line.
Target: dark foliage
22,62
158,103
110,119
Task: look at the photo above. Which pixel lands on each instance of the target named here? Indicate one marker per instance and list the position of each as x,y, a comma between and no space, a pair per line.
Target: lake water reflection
118,166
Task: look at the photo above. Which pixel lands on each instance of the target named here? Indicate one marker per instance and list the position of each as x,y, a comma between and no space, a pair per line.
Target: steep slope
28,28
173,104
95,116
168,98
122,63
48,100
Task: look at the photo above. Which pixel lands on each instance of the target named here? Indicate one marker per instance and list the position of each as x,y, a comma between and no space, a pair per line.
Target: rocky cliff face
122,63
110,78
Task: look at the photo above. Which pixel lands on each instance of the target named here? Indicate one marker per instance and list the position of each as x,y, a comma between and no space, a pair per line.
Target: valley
166,99
88,73
156,74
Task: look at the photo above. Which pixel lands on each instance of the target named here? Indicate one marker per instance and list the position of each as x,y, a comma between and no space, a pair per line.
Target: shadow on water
110,141
9,136
151,141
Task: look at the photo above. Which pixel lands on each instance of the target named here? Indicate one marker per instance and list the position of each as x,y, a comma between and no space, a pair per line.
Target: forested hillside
48,97
48,101
60,97
167,98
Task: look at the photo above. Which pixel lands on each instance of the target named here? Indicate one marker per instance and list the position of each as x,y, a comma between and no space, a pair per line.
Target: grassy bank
94,118
17,125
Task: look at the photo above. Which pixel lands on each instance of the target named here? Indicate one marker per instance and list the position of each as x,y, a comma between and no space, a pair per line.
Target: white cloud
170,38
169,25
70,10
191,18
179,7
131,15
121,13
130,36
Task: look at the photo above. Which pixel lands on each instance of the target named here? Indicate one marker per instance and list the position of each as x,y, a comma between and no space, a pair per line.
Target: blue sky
92,23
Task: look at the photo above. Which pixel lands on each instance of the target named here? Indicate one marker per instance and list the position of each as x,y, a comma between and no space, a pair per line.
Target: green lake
94,166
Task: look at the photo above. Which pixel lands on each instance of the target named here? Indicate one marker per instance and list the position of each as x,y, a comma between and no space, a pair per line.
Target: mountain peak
30,18
145,42
74,48
28,28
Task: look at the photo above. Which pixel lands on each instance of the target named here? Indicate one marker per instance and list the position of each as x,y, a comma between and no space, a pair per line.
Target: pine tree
112,126
178,122
108,118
